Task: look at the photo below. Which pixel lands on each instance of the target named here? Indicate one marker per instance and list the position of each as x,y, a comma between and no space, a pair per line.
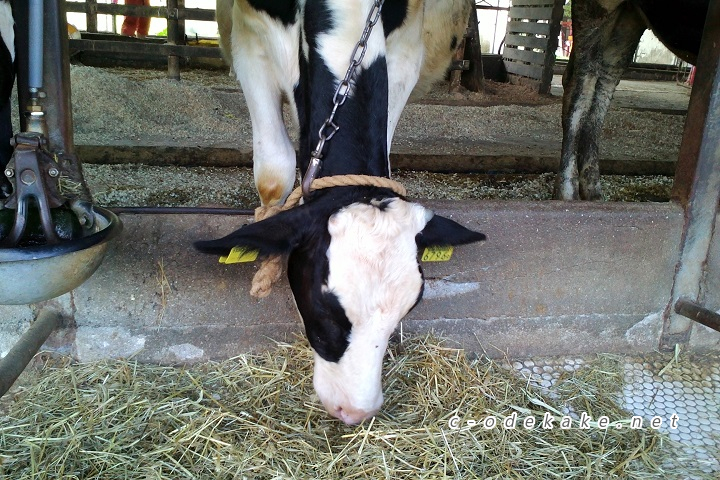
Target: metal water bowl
35,274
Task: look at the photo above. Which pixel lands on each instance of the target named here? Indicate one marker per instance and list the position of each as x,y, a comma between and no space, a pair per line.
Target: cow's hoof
592,194
565,190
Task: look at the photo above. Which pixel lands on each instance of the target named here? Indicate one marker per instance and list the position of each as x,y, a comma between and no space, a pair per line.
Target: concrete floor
446,136
659,96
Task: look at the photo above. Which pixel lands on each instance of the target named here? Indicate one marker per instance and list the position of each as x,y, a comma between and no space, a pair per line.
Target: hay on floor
256,416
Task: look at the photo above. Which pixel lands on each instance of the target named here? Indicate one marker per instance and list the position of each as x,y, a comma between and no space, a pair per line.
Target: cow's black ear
278,234
441,231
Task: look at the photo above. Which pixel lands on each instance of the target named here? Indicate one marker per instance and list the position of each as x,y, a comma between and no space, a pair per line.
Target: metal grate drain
687,391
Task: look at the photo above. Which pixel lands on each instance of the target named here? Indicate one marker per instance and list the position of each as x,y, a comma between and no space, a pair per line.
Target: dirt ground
132,108
207,109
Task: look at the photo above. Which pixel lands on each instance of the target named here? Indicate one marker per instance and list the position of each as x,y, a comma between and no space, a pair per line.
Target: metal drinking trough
51,263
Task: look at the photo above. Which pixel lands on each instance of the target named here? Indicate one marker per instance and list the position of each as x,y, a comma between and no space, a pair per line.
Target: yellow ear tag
240,255
437,254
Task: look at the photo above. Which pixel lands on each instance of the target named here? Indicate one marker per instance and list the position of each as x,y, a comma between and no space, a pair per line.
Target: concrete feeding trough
38,273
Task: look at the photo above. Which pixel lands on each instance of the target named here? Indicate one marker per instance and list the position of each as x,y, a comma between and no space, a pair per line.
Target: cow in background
353,250
606,34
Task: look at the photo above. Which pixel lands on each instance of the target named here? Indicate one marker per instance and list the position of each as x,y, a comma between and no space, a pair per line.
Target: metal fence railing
174,47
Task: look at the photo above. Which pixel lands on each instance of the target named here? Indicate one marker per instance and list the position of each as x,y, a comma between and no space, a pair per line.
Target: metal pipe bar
696,312
13,364
181,211
35,41
55,71
56,85
491,7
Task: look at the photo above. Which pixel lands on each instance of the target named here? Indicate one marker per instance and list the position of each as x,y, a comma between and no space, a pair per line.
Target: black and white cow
353,251
262,41
7,78
605,36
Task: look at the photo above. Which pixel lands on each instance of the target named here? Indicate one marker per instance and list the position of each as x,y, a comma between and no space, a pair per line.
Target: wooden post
474,78
456,68
173,32
549,63
91,16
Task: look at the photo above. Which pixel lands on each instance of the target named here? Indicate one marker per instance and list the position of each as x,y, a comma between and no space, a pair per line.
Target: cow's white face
374,273
354,273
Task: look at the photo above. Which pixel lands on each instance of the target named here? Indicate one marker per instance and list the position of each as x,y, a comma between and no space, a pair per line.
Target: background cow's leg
603,48
420,50
264,52
404,56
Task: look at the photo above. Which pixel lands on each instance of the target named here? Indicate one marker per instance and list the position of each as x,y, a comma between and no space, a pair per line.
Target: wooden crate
531,40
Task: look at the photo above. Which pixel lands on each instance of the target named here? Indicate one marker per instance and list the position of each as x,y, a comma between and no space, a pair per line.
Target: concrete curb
491,160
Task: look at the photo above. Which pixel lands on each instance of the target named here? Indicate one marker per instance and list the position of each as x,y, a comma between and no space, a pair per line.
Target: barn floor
500,144
138,116
649,95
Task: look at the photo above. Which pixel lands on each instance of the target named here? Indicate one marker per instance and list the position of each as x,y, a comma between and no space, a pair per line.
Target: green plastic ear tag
240,255
437,254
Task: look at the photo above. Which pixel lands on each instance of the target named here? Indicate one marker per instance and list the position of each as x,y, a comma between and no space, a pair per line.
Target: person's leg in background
136,26
143,26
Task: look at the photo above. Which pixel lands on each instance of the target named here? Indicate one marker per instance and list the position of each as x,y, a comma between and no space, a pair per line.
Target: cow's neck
360,145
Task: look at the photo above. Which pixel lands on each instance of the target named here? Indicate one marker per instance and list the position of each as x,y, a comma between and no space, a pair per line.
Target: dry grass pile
255,416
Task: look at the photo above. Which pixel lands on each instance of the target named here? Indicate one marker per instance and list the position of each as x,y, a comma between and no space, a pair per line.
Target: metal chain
330,128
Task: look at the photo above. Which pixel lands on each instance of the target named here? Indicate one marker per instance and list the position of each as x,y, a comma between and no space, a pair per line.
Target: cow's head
354,272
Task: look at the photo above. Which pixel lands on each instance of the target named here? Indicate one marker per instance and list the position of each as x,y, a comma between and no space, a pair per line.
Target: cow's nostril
351,416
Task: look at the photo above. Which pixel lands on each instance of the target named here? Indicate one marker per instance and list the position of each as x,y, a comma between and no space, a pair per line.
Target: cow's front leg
404,57
566,181
264,53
